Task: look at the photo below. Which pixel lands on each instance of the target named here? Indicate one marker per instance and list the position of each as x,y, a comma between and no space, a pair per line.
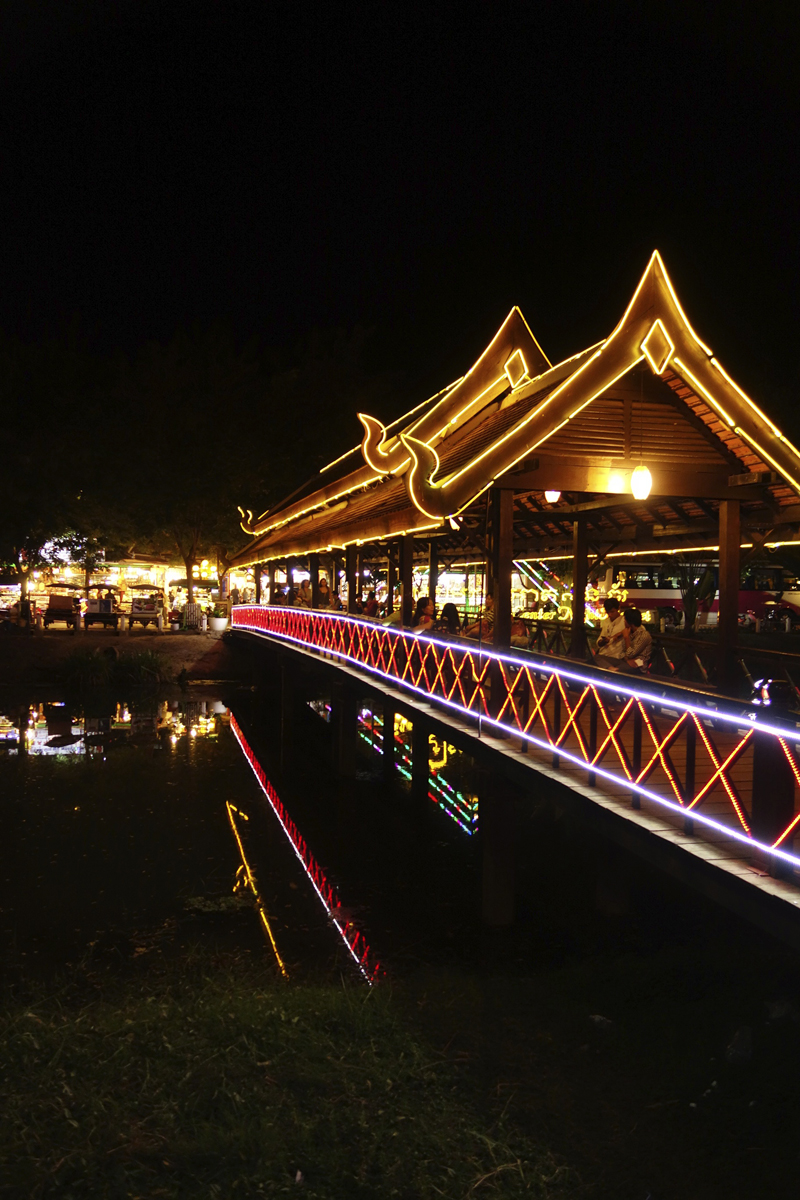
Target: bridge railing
715,768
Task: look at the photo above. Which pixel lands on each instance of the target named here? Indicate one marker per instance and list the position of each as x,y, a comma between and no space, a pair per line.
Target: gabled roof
651,392
654,328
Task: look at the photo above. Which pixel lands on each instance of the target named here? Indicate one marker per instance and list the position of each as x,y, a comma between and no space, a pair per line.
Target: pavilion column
289,569
420,761
580,577
313,568
407,576
498,837
257,581
391,578
501,550
388,741
727,633
433,570
350,569
360,574
501,564
271,583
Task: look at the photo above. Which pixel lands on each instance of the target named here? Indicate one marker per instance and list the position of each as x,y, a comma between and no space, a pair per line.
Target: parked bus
768,592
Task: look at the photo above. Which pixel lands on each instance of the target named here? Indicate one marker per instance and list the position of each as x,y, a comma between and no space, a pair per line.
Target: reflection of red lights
352,937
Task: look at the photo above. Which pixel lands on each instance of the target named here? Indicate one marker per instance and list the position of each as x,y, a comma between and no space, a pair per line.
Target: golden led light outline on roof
458,404
516,377
653,308
658,329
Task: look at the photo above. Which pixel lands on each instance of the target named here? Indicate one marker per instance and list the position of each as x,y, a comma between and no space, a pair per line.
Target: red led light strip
458,674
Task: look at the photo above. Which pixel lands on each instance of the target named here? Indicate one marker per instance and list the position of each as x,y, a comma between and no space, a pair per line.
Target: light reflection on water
448,766
327,894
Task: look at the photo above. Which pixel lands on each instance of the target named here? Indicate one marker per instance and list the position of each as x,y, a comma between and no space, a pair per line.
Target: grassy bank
210,1080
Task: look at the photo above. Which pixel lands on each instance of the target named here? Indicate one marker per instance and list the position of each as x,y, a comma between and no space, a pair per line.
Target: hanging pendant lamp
641,482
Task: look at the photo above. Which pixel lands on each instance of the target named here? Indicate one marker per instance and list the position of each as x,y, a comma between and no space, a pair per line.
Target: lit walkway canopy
648,412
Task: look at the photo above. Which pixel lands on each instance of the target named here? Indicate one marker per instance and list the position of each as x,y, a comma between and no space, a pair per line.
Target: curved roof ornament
512,357
653,327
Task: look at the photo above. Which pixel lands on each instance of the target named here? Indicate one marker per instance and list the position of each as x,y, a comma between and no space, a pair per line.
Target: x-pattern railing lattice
653,745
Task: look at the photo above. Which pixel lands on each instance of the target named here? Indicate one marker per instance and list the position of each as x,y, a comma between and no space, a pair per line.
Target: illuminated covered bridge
638,447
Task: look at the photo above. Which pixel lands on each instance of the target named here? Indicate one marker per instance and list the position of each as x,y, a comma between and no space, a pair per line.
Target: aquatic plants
93,668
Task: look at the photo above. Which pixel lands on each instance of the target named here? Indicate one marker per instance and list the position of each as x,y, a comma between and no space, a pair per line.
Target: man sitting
611,642
638,644
484,627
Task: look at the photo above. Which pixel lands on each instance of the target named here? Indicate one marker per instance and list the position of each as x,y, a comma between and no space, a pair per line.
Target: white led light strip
747,720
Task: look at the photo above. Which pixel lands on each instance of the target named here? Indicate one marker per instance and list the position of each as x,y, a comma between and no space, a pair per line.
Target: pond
134,825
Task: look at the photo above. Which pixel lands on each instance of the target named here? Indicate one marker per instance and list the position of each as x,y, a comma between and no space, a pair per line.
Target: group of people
624,644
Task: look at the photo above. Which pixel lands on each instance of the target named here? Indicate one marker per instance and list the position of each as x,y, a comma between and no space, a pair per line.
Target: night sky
414,168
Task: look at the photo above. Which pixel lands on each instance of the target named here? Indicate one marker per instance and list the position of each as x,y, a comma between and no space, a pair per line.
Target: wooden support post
391,578
556,726
313,568
580,550
351,568
419,760
498,844
502,532
592,777
289,570
257,581
407,576
433,570
727,632
388,742
773,792
636,760
689,774
345,714
360,575
501,564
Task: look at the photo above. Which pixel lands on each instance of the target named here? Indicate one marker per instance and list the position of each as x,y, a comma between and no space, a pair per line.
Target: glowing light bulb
552,497
641,483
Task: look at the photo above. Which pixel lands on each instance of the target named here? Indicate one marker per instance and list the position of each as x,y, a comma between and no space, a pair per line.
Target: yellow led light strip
687,374
251,883
293,516
399,421
658,324
375,441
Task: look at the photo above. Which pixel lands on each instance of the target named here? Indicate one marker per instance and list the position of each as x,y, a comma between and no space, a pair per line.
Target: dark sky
417,168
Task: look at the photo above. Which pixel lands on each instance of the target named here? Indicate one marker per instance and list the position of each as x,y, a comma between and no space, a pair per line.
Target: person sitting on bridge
638,644
371,607
304,595
484,627
520,634
448,624
424,615
611,642
324,600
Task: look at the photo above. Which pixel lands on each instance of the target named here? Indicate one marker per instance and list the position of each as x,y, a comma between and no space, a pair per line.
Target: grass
217,1081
